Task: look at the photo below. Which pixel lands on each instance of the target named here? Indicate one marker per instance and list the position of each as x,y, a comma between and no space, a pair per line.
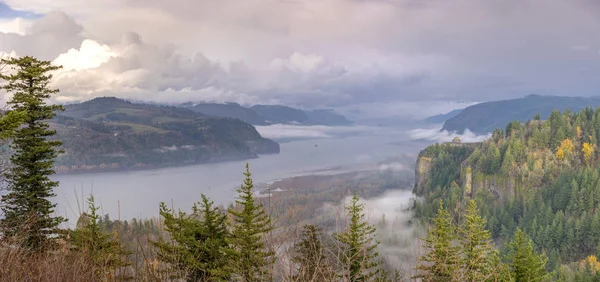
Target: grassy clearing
140,128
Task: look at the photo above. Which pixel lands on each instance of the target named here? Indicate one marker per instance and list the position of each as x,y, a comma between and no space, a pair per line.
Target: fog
434,133
137,194
397,231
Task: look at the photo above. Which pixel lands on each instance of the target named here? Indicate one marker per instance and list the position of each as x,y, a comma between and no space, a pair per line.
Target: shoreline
153,167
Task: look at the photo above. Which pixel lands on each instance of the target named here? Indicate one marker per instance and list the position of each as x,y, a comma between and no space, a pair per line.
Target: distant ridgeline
270,114
483,118
540,176
110,133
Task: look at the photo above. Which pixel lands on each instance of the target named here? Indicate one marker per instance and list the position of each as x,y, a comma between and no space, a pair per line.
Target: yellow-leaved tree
565,149
590,263
588,152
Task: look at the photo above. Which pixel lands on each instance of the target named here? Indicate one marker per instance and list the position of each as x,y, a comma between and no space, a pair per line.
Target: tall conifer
359,256
442,260
197,247
249,222
525,264
28,213
479,257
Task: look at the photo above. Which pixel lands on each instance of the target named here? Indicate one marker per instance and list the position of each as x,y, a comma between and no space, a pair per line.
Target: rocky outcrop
422,171
469,179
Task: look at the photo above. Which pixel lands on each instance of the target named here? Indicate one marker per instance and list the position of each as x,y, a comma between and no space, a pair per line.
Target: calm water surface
138,193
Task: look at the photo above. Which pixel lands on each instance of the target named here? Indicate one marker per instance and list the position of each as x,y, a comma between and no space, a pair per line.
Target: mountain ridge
109,133
484,117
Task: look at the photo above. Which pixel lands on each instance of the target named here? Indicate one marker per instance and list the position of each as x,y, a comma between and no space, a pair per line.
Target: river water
137,193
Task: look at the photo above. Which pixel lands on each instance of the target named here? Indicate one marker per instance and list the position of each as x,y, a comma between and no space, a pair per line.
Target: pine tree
198,245
249,223
103,250
359,256
525,264
310,258
442,261
28,212
478,253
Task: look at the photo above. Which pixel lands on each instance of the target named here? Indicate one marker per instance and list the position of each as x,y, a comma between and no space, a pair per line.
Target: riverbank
107,169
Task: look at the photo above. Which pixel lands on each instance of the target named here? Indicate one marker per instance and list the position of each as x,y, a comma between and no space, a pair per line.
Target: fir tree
249,223
313,264
525,264
359,256
28,212
102,249
442,261
478,253
198,246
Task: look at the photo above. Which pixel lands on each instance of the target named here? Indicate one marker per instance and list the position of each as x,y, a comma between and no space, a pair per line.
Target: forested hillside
110,133
540,176
483,118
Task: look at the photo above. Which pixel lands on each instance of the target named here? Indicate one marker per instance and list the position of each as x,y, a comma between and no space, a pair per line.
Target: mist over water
137,193
435,134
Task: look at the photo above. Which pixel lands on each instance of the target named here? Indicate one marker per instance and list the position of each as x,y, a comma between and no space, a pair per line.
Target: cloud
17,26
316,52
434,134
90,55
394,166
286,132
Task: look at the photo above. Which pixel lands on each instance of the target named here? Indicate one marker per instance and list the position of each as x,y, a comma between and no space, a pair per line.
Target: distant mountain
110,133
230,110
280,114
269,114
485,117
437,119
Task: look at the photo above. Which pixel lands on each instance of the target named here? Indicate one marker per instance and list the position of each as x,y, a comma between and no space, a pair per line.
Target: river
137,194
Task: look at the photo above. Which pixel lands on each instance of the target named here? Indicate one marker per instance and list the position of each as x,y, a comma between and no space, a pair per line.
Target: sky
378,57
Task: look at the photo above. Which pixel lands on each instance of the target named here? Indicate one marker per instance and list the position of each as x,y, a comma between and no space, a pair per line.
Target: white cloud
434,134
17,26
90,55
316,52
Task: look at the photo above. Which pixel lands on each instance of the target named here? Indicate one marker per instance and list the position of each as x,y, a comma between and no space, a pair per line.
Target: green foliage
548,184
311,259
104,251
525,264
359,256
28,213
197,248
9,122
479,257
442,260
249,222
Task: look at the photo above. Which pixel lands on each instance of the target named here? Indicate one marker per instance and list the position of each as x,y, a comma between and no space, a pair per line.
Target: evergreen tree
249,223
525,264
104,251
508,162
198,246
359,256
313,264
28,212
441,262
9,122
478,253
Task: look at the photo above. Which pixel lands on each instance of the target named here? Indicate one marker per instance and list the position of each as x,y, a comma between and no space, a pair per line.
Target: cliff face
450,162
422,171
